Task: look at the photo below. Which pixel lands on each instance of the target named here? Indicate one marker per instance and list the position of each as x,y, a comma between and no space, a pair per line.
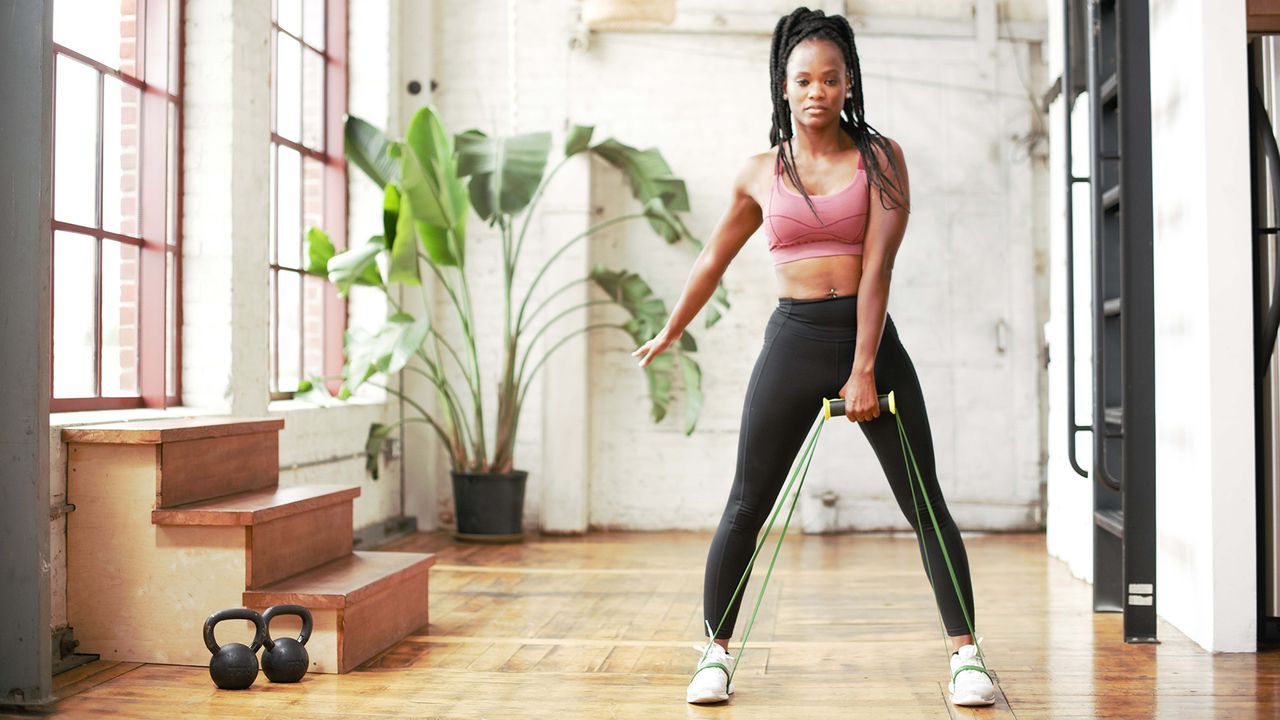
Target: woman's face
816,83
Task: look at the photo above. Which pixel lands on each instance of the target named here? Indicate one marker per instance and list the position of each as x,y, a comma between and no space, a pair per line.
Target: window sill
86,417
291,405
275,407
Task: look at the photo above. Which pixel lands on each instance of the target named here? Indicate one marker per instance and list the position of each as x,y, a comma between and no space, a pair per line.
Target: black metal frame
1265,157
1123,317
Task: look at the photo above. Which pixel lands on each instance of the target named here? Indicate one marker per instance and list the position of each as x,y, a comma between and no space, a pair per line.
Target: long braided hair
805,24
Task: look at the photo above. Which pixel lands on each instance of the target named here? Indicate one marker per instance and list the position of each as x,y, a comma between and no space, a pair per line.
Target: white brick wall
973,255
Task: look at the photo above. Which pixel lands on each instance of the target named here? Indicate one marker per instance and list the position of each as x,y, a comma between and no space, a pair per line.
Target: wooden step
197,458
256,507
287,530
361,604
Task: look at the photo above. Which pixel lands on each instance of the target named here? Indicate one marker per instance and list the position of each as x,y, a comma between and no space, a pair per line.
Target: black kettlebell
234,666
285,660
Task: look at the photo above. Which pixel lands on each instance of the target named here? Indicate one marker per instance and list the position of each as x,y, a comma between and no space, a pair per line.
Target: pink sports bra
793,231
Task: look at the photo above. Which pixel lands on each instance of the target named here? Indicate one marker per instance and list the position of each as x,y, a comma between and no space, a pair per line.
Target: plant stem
481,452
547,300
442,384
559,252
449,442
528,213
524,390
532,341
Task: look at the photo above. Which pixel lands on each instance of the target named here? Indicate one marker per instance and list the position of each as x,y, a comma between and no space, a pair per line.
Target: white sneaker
970,683
709,681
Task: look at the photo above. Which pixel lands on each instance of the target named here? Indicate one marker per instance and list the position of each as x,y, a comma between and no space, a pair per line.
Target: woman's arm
885,229
741,219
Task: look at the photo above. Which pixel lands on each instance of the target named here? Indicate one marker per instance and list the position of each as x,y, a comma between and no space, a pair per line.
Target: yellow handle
888,403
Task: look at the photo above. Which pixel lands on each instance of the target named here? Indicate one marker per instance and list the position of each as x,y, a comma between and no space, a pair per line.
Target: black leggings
808,355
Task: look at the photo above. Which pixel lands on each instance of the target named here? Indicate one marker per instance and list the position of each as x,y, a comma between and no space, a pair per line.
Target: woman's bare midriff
817,277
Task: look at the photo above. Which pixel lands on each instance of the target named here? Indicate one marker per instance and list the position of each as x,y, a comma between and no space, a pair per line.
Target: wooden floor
602,626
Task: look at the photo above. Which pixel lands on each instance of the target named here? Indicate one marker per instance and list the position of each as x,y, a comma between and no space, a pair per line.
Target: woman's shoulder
754,173
880,150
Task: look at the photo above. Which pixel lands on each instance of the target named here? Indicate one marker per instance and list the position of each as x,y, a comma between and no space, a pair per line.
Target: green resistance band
833,408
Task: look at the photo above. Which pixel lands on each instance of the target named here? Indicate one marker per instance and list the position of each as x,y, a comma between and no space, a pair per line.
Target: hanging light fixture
627,14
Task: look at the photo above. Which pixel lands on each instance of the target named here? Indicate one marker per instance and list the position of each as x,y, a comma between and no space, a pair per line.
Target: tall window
116,203
308,186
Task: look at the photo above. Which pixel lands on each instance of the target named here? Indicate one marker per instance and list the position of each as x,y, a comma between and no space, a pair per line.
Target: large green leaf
314,391
390,213
648,173
505,172
657,374
378,433
692,377
404,244
666,223
357,266
422,185
386,351
719,297
319,250
577,139
367,147
648,316
439,197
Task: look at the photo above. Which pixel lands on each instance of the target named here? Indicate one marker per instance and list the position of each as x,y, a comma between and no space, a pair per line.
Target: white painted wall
1204,333
1069,515
1204,444
973,258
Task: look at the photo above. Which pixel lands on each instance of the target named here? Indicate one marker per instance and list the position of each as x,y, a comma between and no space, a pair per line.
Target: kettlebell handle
260,627
275,610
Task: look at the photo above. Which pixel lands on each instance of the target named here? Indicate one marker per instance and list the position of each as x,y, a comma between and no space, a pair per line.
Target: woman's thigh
895,372
784,395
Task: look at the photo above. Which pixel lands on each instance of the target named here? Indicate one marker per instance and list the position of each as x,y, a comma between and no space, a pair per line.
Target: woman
834,199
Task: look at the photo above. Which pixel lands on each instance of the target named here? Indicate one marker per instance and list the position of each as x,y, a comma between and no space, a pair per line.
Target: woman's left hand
860,401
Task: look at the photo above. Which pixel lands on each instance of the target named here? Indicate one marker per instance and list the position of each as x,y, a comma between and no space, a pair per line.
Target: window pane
313,325
171,183
75,143
313,99
313,23
273,363
288,87
175,49
121,109
289,15
171,324
289,207
289,331
99,29
272,200
75,269
313,195
119,319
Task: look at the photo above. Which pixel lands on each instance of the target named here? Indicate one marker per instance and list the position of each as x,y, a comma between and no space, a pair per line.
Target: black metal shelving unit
1265,155
1113,37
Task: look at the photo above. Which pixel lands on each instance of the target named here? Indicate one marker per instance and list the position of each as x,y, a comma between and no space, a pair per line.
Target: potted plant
430,184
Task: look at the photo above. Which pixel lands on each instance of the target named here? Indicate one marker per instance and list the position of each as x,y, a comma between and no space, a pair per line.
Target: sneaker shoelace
969,662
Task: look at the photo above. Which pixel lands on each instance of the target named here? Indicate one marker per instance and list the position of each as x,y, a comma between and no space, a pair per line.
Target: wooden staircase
178,518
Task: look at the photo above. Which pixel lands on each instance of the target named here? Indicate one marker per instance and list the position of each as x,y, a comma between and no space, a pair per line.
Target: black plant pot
489,506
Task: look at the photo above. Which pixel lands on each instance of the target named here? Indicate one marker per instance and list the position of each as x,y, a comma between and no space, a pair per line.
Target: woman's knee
745,515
